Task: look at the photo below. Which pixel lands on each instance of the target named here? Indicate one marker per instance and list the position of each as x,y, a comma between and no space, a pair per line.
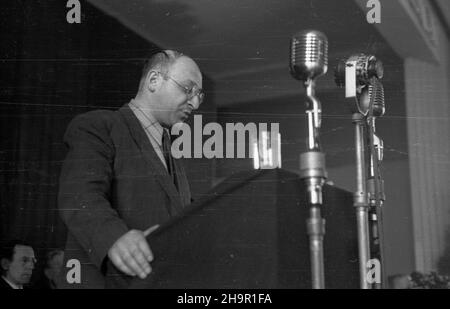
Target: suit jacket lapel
141,139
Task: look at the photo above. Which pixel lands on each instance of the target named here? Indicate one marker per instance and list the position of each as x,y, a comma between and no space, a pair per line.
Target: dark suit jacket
111,181
4,285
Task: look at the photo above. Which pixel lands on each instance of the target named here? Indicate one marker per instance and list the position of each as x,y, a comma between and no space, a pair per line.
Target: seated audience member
17,264
53,265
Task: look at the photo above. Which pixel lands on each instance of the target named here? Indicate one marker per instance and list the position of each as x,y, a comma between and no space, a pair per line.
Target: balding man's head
161,62
171,87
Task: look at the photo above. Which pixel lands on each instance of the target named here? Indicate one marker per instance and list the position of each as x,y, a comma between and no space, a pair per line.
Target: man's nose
29,266
194,103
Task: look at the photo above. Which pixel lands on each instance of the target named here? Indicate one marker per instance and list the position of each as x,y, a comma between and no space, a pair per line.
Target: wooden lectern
249,232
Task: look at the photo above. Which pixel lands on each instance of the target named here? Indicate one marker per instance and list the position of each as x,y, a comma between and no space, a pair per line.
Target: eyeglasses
190,92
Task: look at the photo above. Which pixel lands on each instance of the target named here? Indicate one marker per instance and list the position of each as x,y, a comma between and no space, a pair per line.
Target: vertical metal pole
315,223
361,202
376,199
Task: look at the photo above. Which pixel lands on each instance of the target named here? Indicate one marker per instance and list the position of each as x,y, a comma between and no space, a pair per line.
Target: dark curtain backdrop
50,71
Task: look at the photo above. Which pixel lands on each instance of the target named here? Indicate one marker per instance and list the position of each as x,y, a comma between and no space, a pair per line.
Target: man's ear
153,80
5,264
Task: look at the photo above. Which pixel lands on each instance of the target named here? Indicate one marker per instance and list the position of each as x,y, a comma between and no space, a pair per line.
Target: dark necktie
168,156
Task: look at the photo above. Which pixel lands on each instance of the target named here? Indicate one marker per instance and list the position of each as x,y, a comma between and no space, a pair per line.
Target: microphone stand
312,171
360,200
356,73
376,199
375,184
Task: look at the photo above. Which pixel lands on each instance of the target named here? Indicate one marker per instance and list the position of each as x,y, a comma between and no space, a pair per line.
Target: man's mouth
186,114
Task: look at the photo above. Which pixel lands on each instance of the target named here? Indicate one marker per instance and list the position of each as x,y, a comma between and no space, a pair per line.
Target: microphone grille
309,55
377,92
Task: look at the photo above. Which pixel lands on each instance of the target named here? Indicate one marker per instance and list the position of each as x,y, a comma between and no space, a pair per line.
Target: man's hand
131,253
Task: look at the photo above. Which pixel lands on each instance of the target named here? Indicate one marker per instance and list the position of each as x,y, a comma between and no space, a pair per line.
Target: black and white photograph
224,150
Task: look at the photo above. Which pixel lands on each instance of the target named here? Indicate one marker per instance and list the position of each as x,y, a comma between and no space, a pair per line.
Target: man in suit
17,264
119,180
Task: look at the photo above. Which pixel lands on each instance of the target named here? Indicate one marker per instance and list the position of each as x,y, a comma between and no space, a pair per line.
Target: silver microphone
367,67
309,55
309,59
360,74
